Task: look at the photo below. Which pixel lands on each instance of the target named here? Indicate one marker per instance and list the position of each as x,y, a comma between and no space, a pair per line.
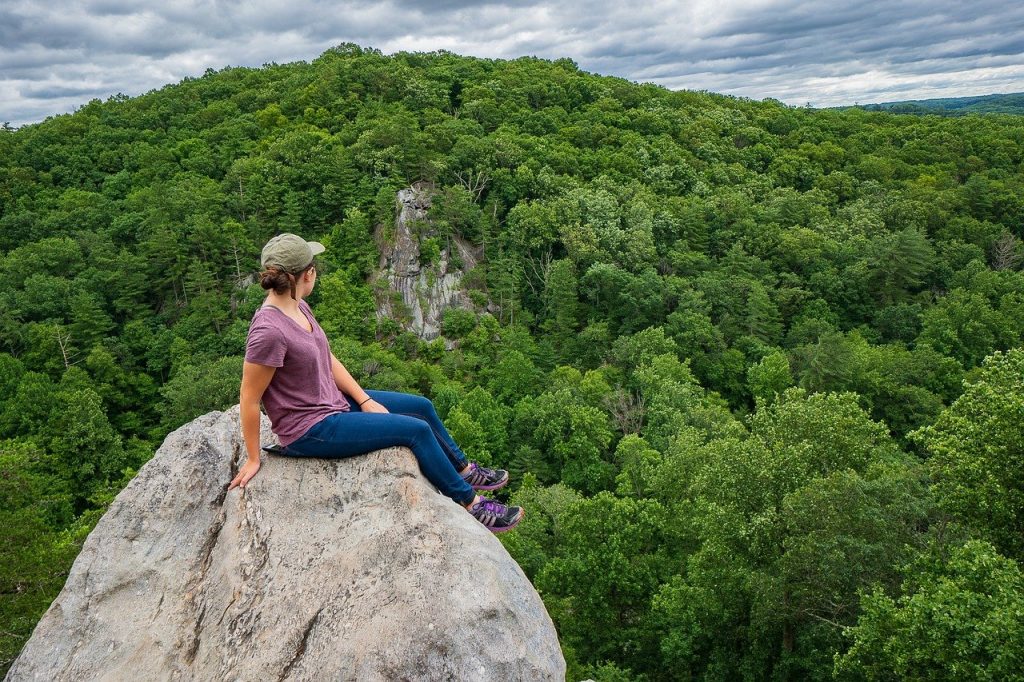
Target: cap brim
316,247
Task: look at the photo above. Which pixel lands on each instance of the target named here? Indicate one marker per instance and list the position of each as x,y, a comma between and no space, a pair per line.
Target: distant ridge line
1005,103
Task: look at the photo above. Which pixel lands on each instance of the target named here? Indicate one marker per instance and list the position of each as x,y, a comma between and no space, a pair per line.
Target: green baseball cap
290,253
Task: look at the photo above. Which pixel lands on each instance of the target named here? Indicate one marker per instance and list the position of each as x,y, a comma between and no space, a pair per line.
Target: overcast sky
58,54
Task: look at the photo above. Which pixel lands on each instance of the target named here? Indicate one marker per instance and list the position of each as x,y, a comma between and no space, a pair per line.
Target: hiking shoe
482,478
495,516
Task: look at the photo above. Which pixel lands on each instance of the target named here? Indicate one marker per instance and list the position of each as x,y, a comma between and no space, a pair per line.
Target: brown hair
281,281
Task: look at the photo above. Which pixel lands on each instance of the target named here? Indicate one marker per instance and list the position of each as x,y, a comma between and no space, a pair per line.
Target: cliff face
352,569
411,292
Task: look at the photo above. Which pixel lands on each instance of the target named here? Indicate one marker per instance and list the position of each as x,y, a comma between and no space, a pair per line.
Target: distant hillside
1011,103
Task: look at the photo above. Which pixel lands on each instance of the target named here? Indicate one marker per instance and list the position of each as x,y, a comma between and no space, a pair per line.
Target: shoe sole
496,486
522,513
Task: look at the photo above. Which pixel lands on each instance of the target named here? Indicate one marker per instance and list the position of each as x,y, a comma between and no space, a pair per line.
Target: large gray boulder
352,569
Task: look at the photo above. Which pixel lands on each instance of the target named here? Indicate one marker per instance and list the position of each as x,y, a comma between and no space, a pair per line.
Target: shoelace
495,507
485,513
478,474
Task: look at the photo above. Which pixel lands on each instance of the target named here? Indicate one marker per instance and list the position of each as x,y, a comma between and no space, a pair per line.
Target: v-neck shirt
308,319
302,390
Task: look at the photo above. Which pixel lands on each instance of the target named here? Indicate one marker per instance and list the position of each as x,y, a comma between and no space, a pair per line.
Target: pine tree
562,308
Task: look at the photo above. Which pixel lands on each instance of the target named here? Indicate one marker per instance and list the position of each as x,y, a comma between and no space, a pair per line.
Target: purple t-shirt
302,391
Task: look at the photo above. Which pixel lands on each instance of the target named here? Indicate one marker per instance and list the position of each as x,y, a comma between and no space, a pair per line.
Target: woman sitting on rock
317,409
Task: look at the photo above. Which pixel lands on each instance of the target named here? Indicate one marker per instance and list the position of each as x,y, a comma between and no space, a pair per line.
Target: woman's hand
247,471
372,405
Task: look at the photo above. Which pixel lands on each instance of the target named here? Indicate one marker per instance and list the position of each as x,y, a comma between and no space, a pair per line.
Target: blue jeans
412,422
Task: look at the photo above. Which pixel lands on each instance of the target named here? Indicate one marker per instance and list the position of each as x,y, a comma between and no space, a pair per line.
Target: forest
756,369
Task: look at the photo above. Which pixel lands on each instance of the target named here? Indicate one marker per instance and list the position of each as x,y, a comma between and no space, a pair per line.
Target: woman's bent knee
421,429
418,404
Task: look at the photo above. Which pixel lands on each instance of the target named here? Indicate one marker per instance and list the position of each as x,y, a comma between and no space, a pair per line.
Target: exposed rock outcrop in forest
414,292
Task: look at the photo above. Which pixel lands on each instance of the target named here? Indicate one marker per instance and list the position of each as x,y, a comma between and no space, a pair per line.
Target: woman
317,409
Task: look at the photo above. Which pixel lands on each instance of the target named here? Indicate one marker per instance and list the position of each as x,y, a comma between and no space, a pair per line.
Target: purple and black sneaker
482,478
496,516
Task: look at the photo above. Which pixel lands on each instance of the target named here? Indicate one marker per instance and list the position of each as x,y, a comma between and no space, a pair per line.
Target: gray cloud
60,91
56,55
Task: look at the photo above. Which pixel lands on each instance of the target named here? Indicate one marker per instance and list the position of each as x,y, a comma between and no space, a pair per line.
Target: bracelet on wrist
365,401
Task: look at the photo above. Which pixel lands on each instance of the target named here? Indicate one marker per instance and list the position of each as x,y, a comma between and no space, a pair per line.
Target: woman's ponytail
279,281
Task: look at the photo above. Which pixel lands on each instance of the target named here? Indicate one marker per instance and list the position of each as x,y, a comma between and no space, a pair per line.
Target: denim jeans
412,422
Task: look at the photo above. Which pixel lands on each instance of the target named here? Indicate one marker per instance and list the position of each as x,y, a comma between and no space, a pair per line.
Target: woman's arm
349,386
255,379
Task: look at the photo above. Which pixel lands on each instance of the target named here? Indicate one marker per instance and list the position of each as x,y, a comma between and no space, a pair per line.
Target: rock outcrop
413,293
352,569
